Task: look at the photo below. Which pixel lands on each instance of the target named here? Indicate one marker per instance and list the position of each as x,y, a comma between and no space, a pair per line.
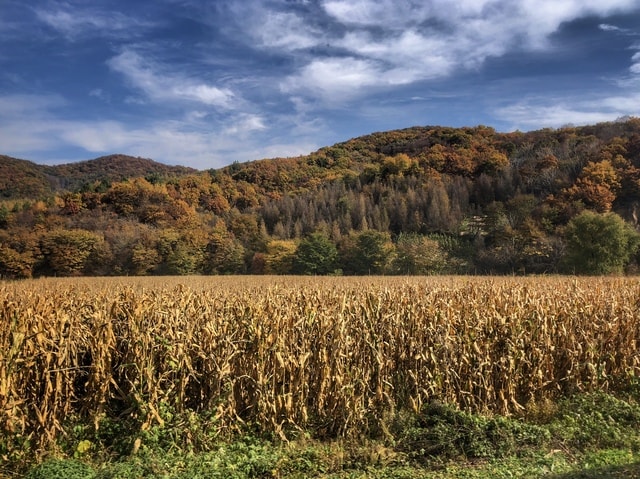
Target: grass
586,436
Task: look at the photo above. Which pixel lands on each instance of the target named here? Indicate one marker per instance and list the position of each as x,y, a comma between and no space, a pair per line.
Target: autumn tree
213,199
279,257
397,165
14,264
72,203
491,161
144,259
418,255
597,186
19,252
133,247
68,252
183,252
224,254
246,228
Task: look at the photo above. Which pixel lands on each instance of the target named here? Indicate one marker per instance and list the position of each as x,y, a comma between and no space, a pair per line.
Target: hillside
421,200
25,179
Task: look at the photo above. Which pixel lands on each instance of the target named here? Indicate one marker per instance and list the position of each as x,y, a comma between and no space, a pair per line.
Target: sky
207,83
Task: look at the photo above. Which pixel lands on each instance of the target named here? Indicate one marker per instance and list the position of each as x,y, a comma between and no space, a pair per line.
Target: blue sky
205,83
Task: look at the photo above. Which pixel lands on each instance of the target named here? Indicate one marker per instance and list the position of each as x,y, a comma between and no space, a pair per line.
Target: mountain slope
25,179
421,200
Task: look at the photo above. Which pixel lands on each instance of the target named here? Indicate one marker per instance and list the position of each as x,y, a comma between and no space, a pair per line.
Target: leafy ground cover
587,436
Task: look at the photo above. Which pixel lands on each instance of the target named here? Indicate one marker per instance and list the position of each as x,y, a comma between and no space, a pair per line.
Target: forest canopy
424,200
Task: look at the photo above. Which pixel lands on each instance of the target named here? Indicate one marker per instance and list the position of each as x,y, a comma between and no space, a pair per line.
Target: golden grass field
334,354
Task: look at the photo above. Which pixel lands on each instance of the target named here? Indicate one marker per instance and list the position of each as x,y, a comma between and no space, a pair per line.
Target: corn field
333,355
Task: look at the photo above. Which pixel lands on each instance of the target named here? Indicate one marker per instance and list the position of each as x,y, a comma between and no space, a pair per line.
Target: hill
420,200
25,179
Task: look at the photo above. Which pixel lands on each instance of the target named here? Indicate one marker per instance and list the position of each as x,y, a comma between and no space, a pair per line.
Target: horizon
179,165
205,84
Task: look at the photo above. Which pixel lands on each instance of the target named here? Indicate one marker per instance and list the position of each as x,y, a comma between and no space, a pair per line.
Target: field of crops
332,355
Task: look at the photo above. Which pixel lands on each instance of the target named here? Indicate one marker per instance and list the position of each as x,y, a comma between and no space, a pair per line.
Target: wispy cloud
550,112
27,122
207,83
285,30
246,123
635,63
530,114
334,79
24,104
394,42
148,77
36,124
79,21
610,28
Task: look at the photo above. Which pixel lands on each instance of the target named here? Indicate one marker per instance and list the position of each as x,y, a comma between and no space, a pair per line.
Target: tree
416,254
14,264
72,203
367,252
492,161
279,257
4,217
143,259
182,260
68,252
316,255
182,251
599,243
597,186
224,254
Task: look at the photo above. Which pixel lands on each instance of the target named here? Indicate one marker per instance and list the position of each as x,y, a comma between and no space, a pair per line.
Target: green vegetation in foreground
588,436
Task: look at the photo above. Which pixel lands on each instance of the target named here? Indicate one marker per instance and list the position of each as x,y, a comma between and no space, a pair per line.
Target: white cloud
526,116
539,17
27,124
100,94
609,28
413,55
635,65
22,105
246,123
178,142
146,76
549,112
283,150
386,13
75,23
34,128
391,42
209,95
284,30
334,79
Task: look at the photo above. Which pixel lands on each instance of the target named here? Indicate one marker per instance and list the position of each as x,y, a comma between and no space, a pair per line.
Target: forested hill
28,180
417,201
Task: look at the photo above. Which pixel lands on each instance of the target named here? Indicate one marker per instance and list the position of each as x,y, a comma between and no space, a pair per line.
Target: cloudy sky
204,83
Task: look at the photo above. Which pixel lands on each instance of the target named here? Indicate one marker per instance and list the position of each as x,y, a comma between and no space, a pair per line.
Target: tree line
427,200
